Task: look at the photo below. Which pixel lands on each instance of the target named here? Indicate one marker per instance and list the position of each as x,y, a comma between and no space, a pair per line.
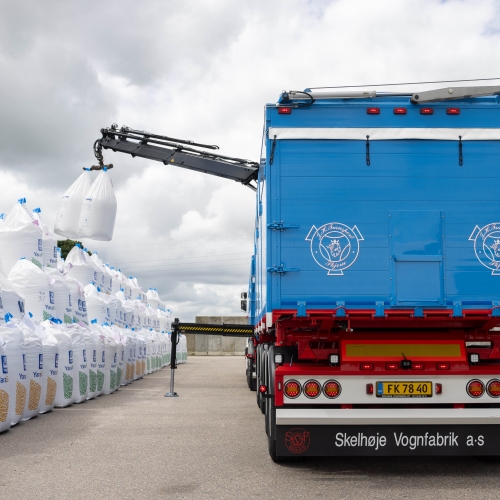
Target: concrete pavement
209,443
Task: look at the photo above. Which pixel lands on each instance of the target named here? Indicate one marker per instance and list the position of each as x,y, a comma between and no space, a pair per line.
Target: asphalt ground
208,443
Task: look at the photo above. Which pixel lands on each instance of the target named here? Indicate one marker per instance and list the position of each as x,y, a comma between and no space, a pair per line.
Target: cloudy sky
199,70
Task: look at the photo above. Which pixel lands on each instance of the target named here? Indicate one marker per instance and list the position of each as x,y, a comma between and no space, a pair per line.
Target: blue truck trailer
375,281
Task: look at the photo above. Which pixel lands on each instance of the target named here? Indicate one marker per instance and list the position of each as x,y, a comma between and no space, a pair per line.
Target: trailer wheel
253,381
258,356
263,380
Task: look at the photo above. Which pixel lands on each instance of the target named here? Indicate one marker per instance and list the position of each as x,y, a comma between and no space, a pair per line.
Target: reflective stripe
386,134
405,416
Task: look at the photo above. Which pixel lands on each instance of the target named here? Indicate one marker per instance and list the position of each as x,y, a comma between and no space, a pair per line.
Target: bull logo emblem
487,246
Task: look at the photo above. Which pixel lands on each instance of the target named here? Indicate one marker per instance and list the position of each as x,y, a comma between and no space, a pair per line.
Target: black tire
258,356
253,381
263,381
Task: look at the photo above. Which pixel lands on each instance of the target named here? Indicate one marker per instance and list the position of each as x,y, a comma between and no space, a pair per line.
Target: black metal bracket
170,151
460,156
173,358
368,150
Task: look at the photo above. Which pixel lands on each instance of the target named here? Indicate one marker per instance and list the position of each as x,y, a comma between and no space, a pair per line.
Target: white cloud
200,71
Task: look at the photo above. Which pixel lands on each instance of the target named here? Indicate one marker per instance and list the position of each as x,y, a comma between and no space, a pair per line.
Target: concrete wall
217,345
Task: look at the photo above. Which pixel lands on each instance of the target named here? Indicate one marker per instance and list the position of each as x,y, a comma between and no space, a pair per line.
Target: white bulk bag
50,352
103,281
96,305
79,266
97,218
13,339
116,333
130,355
78,301
5,399
101,355
112,282
65,364
71,205
91,351
98,270
20,237
111,350
153,298
80,363
49,241
62,296
36,287
34,368
11,302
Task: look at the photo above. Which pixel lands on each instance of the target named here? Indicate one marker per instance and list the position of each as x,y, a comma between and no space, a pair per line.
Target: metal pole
173,360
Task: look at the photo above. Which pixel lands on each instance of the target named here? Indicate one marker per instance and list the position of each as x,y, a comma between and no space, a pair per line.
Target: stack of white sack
20,237
107,280
49,241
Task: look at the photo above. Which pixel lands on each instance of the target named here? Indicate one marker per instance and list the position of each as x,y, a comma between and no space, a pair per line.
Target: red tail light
366,366
400,111
453,111
475,388
493,388
262,389
443,366
292,389
331,389
438,388
284,110
312,389
392,366
426,111
373,111
418,366
369,388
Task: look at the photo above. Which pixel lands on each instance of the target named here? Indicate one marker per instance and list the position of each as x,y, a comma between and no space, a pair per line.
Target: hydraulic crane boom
182,153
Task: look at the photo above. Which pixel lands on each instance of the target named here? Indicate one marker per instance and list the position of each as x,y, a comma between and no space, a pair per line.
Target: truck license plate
404,389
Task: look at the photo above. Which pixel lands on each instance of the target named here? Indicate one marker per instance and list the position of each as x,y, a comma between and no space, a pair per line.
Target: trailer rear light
292,389
369,388
418,366
443,366
331,389
473,358
278,359
312,389
453,111
373,111
334,359
392,366
366,366
262,389
475,388
426,111
493,388
438,388
284,110
400,111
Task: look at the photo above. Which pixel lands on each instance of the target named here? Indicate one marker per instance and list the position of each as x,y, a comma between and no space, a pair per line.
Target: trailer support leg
173,360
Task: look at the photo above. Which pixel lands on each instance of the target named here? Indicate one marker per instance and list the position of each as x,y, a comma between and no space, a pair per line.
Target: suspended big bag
71,205
97,218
